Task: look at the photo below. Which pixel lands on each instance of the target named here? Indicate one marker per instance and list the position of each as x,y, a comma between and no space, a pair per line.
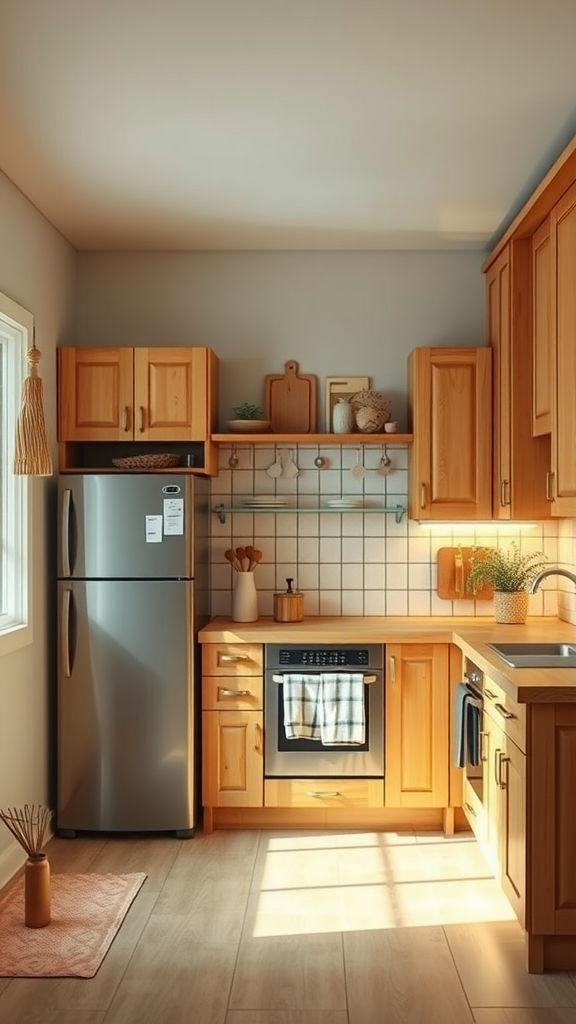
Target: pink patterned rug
87,911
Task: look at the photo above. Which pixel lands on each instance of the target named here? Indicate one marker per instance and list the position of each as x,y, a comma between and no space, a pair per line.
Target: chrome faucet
551,572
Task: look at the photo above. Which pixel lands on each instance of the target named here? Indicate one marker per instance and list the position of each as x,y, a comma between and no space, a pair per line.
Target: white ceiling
283,124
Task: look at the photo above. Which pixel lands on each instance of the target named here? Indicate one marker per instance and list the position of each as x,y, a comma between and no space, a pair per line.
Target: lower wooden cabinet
232,758
505,810
417,725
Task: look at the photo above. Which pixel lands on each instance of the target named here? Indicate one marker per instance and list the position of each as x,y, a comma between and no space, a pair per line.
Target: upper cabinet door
169,394
95,389
521,462
450,458
542,330
564,356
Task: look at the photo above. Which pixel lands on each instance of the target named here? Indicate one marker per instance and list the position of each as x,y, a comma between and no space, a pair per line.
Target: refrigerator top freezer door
125,526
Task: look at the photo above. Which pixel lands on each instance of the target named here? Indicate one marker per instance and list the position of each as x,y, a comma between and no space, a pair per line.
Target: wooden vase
37,891
510,606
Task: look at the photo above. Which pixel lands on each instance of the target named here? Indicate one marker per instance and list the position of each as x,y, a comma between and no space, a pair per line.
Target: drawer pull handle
225,692
489,694
502,711
227,658
483,745
323,792
470,809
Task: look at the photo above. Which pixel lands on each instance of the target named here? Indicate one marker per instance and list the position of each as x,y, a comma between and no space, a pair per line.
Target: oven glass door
287,758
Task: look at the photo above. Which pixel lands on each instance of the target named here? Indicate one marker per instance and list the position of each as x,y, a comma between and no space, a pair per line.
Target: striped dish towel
343,719
302,708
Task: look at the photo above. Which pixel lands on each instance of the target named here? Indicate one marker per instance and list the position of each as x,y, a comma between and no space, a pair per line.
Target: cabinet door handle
422,495
227,658
318,793
225,692
258,738
483,745
502,760
142,419
489,694
502,711
549,486
392,668
126,418
503,500
497,755
470,808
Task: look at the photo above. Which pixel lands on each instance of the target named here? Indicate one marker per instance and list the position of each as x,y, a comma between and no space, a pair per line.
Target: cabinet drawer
231,693
232,659
324,793
509,715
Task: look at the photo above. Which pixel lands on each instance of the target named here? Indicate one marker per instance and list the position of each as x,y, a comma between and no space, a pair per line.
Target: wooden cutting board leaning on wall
290,400
453,568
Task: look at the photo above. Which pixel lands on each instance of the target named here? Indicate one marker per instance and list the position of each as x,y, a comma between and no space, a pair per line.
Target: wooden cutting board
291,401
451,582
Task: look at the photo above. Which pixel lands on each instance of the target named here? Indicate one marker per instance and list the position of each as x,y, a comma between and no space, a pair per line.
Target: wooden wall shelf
321,439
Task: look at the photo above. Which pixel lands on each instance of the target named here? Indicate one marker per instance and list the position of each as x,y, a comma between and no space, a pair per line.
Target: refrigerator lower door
126,706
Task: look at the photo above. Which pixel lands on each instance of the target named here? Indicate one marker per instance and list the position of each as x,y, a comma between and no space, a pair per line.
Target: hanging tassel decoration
32,455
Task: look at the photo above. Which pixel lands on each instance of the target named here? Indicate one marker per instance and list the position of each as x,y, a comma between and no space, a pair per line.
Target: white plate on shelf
345,503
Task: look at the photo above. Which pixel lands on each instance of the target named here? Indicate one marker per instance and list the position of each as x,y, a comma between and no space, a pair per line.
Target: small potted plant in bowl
510,573
248,419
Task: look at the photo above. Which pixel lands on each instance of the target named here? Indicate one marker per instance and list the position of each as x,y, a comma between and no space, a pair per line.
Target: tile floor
300,928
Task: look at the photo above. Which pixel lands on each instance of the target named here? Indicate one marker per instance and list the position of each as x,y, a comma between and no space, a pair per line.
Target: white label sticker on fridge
173,516
153,529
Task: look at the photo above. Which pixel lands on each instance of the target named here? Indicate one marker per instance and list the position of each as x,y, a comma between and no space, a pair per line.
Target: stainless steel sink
536,655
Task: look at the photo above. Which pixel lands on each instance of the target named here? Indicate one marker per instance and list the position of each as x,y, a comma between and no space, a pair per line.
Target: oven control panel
325,657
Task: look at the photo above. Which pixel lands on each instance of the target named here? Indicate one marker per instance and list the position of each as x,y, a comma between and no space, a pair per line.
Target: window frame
16,330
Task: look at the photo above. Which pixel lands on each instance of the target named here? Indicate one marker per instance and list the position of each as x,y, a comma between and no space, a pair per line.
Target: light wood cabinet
563,224
417,731
142,394
543,312
521,462
232,727
232,762
504,802
449,462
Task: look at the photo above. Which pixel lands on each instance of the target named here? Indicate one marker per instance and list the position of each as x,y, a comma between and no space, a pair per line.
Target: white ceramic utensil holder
342,417
244,598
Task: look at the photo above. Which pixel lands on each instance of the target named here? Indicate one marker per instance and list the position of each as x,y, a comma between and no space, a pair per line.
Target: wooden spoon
241,555
255,557
231,557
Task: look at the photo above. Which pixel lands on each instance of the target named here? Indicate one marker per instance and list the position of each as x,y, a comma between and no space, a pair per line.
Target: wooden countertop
526,685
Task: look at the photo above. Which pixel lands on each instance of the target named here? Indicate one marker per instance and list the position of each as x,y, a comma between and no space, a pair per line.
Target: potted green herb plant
248,419
510,573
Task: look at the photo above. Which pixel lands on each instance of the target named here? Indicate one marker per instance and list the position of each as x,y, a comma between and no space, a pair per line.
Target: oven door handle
276,678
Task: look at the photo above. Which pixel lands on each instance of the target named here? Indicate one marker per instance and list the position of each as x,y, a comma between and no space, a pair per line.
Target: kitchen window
16,326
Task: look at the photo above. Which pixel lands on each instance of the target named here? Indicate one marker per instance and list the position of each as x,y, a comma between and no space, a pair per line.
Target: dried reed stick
28,826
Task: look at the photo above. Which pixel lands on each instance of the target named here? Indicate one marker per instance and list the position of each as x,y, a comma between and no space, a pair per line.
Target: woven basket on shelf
162,461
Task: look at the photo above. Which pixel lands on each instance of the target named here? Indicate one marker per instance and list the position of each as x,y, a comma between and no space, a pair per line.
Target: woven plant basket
510,607
161,461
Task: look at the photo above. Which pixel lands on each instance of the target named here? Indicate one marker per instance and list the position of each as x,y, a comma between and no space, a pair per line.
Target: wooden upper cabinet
417,731
563,223
135,394
450,459
542,330
521,462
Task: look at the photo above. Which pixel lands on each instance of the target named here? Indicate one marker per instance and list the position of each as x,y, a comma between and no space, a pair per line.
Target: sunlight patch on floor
314,884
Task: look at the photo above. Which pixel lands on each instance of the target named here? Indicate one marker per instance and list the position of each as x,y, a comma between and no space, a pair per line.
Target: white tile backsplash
358,563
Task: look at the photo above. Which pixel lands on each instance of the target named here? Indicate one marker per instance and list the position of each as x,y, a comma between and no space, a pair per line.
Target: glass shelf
223,510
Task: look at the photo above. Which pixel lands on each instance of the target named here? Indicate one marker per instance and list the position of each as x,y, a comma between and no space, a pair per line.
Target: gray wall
37,270
333,312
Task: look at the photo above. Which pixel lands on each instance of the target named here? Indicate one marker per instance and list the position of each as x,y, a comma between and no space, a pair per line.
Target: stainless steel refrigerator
133,590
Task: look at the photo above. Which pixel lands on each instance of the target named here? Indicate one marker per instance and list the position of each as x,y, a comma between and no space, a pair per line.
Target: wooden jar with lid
288,605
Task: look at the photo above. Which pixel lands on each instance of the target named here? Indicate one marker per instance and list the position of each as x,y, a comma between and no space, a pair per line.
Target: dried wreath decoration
28,825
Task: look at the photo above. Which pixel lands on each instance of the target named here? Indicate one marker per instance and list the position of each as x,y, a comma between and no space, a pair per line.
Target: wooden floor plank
402,976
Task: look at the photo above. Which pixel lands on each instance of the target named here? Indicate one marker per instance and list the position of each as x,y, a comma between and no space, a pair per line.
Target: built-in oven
470,737
310,758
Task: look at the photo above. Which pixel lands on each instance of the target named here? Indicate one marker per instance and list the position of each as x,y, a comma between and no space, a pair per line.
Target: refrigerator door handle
65,633
65,526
